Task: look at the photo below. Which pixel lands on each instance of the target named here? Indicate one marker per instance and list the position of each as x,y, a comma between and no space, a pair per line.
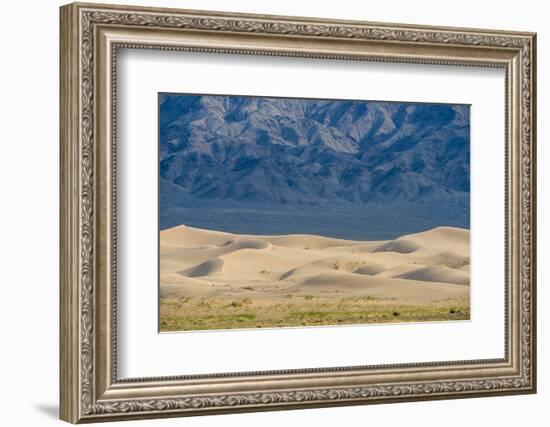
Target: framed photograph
266,212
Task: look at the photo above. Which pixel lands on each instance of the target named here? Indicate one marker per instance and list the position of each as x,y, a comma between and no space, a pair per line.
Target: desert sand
425,269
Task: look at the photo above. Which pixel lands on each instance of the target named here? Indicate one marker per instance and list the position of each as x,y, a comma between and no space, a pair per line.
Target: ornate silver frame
90,36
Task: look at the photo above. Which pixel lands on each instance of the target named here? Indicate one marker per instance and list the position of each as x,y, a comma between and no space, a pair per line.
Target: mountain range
285,152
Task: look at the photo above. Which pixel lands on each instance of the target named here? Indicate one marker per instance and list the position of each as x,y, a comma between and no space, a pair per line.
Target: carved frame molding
90,37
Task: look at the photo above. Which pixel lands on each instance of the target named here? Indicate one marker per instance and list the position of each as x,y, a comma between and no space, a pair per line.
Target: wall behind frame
29,171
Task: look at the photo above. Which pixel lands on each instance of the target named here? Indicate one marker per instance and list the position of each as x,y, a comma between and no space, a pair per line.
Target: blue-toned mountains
257,151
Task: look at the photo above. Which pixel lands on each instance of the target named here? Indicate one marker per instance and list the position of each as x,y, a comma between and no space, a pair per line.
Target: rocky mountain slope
292,152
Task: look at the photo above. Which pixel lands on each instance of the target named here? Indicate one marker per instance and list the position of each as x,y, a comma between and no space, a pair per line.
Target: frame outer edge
69,355
77,226
533,201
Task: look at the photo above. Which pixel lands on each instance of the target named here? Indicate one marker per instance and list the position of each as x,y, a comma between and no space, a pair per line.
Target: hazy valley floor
217,280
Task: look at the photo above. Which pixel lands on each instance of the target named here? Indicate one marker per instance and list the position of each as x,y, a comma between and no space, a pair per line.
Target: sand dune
351,284
401,246
422,267
371,269
308,241
438,273
207,268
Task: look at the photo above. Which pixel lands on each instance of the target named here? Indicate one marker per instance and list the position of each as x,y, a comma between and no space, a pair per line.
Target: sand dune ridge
420,267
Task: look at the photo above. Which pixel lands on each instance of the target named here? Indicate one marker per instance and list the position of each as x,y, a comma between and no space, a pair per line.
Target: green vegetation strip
185,314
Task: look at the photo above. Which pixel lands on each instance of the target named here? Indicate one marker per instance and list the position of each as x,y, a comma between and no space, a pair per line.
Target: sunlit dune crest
419,268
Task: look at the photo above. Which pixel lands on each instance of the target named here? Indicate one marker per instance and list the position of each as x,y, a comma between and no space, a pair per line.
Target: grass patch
232,313
239,303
